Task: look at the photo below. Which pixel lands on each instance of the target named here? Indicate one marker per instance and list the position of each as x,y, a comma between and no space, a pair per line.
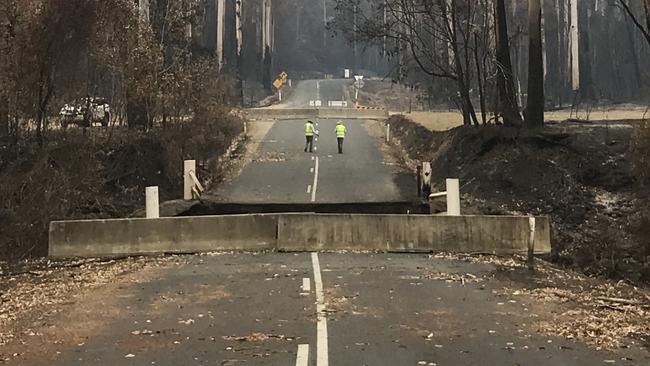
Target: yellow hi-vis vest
309,129
340,131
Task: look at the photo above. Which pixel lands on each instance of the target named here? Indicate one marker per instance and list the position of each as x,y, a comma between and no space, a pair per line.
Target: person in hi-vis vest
309,135
340,135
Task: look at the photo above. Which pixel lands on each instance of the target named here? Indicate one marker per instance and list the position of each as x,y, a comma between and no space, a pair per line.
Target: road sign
359,81
281,80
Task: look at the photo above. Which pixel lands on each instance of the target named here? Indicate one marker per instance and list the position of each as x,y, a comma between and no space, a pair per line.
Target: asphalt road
338,309
323,90
284,173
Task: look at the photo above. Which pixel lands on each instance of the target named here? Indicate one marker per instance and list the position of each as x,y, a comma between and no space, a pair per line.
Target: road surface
337,309
282,172
323,90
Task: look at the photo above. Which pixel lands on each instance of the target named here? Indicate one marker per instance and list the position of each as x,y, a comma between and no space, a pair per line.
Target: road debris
257,337
47,285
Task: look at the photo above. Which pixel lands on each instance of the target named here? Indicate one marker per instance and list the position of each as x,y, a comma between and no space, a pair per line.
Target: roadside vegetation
591,179
167,100
640,157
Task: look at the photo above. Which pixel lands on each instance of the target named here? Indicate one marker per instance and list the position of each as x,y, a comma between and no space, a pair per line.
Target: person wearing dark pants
309,135
340,135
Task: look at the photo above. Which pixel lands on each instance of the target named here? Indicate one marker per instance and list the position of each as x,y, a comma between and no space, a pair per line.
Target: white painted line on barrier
306,285
315,185
322,355
302,357
309,189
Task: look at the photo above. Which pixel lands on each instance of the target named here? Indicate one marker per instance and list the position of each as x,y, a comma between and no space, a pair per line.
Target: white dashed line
306,285
311,170
315,185
309,189
322,356
302,357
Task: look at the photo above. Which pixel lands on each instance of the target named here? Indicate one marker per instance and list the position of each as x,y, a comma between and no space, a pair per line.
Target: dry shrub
640,157
203,139
61,181
99,173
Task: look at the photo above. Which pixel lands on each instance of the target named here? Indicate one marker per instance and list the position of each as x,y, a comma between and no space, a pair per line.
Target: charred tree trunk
469,113
646,8
535,105
507,95
635,58
586,82
4,117
479,77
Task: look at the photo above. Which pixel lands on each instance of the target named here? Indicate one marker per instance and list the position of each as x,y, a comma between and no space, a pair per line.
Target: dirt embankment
576,173
99,173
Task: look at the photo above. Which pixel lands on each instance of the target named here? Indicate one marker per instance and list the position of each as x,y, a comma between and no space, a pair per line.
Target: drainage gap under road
225,208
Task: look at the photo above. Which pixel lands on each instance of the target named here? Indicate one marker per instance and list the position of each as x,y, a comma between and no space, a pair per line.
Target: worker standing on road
340,135
309,135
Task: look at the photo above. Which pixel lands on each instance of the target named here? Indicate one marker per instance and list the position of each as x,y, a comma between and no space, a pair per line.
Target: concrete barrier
459,234
300,113
296,232
106,238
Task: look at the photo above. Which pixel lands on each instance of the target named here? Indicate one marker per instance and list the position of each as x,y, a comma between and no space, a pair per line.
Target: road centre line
322,356
306,285
309,189
302,357
315,185
311,170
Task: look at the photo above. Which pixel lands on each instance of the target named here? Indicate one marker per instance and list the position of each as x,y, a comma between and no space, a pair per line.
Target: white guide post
188,183
152,203
426,177
388,133
531,244
453,197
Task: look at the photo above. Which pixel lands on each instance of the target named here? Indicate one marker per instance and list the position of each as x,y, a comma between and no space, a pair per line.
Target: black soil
575,173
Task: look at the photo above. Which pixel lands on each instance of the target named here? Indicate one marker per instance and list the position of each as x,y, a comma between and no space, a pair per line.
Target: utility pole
575,47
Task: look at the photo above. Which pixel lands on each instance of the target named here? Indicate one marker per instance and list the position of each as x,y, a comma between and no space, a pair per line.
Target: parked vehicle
85,112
